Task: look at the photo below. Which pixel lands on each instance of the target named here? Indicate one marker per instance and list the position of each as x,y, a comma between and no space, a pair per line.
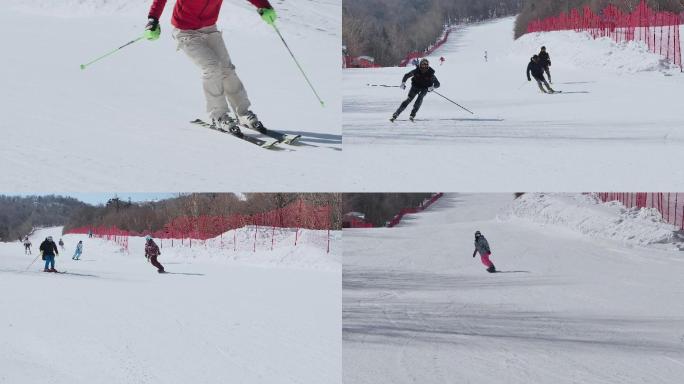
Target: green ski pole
299,66
83,66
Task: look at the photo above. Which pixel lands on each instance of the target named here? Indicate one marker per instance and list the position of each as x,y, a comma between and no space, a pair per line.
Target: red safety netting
405,211
669,204
356,223
658,30
297,215
358,62
432,48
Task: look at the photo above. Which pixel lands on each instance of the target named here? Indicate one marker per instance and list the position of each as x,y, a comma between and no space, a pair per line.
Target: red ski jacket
195,14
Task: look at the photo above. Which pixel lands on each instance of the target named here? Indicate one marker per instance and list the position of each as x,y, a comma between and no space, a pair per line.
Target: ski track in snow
608,120
123,123
417,308
212,319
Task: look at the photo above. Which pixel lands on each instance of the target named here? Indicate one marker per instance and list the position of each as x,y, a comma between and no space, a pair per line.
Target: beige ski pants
207,50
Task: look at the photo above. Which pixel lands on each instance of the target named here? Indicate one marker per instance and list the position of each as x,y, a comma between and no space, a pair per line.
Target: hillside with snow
223,312
619,115
588,292
123,123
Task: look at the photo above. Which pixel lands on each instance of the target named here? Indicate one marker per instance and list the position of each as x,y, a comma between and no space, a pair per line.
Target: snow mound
248,245
580,50
584,213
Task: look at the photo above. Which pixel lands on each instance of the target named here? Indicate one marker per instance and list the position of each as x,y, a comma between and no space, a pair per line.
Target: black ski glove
152,29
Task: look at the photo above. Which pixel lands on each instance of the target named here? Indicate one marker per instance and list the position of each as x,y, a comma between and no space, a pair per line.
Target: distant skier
151,253
545,62
415,62
197,35
441,60
90,233
423,80
79,250
482,247
27,246
537,71
61,244
48,249
485,56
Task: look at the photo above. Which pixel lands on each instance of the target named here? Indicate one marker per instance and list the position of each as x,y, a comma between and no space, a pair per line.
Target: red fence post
256,229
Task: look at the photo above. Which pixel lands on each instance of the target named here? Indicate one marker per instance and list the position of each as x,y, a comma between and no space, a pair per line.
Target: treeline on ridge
20,215
389,29
152,216
379,208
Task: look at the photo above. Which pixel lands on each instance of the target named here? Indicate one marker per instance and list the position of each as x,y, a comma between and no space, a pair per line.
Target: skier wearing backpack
79,250
197,35
48,249
423,80
537,71
545,62
151,253
61,244
482,247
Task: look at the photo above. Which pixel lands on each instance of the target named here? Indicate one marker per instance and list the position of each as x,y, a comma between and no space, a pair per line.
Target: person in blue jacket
79,250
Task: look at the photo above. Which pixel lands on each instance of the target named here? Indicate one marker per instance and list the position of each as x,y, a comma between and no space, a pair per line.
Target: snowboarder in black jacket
423,80
545,62
537,71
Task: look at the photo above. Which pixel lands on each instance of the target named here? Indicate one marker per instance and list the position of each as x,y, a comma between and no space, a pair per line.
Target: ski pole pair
433,91
84,66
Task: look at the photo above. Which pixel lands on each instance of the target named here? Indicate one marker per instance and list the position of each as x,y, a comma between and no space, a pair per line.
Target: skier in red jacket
196,33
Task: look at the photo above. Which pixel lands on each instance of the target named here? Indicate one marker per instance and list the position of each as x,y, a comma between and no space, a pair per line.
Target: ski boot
52,270
46,270
394,117
412,118
491,269
226,123
251,121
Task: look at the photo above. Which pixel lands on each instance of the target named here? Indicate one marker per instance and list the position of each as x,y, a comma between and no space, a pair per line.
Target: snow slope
619,115
219,316
571,308
123,122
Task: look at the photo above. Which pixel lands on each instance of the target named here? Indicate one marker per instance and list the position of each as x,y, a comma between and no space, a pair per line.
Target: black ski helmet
543,48
477,234
424,60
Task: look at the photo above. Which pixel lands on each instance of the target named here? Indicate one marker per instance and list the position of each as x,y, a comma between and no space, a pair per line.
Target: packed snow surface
568,307
220,315
619,115
123,123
